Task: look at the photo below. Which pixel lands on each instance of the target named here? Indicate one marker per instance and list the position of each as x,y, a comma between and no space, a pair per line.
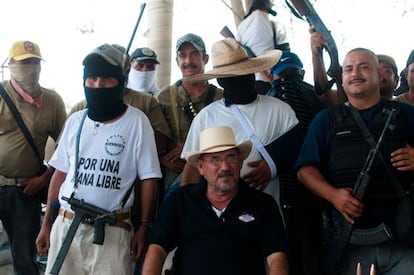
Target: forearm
161,142
47,175
56,181
149,188
190,175
319,72
154,260
313,180
278,264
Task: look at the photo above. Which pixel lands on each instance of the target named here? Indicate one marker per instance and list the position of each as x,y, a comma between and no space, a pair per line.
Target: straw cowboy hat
218,139
230,59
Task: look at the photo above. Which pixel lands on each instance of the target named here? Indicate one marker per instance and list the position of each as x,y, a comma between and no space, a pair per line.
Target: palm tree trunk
159,36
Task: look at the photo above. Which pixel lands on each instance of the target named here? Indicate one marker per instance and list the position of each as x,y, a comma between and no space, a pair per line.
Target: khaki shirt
179,127
17,159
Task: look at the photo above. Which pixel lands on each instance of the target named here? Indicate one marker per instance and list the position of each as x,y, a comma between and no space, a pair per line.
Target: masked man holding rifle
335,149
102,150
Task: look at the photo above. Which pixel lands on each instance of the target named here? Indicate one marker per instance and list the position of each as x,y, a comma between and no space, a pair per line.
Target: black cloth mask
238,89
104,103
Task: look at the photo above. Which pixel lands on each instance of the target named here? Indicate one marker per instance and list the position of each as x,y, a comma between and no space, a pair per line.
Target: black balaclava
238,89
103,103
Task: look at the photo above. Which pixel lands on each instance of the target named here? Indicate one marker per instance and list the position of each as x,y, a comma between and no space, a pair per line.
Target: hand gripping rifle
84,212
304,10
338,244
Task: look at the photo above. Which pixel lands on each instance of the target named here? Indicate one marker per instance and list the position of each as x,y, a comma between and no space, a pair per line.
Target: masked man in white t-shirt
102,151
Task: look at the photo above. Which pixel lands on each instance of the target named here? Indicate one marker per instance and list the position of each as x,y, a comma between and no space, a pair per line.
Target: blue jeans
391,258
20,215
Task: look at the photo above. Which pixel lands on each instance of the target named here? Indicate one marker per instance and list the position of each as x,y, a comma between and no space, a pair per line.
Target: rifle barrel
142,7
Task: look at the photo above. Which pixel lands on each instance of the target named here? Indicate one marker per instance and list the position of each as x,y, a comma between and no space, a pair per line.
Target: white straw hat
218,139
229,59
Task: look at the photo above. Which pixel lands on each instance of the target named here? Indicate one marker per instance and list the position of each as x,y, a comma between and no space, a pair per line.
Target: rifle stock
226,32
306,10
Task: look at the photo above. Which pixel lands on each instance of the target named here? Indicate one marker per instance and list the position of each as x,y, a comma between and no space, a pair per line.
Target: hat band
228,64
205,150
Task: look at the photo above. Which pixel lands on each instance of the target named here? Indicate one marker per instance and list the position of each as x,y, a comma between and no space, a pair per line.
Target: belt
10,181
120,217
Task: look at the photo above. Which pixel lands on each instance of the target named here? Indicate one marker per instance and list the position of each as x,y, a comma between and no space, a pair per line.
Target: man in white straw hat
220,226
245,112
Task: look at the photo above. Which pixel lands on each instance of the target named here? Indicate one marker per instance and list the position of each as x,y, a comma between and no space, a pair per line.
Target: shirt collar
37,102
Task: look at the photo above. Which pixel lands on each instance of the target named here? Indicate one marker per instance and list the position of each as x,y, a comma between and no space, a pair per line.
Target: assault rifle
338,244
88,213
304,10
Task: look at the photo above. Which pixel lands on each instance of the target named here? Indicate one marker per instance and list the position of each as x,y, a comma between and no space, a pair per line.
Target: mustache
357,79
225,174
189,66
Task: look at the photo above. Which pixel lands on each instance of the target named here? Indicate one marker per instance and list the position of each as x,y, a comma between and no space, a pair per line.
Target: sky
380,25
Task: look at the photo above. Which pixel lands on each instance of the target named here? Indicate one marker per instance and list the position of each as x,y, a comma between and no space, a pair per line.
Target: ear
200,167
206,58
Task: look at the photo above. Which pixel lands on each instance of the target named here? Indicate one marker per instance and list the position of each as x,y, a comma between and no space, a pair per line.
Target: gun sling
120,217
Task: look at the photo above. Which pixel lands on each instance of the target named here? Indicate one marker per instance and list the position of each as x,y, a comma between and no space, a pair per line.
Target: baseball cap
144,54
389,60
194,40
111,54
288,60
24,49
410,58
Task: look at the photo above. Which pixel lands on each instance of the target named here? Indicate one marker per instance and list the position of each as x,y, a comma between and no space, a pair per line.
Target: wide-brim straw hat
218,139
230,59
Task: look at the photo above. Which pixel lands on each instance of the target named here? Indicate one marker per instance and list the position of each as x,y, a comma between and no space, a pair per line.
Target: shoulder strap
20,122
174,110
75,174
370,139
255,140
274,34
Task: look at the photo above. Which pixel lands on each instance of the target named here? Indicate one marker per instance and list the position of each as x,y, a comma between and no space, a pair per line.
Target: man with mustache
181,101
334,152
220,226
21,176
